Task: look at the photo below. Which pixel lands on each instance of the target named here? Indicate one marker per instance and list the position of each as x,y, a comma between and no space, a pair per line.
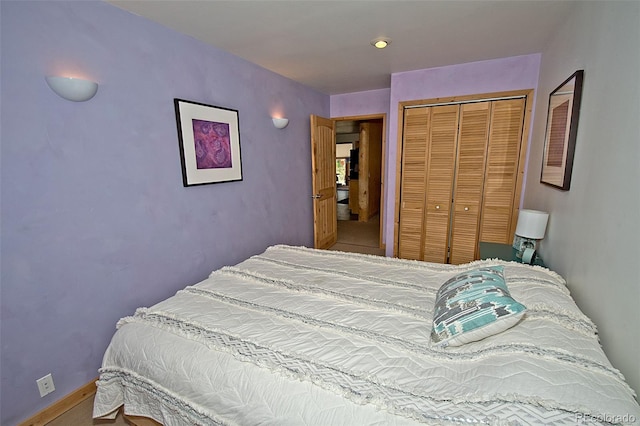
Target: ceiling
326,44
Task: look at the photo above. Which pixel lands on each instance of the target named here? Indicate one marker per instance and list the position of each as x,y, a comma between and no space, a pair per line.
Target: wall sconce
280,123
532,224
72,89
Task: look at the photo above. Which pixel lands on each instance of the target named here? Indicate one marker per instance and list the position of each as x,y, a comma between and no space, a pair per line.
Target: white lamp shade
280,123
532,224
73,89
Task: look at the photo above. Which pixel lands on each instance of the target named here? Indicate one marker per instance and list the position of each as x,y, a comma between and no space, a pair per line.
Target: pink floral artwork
212,144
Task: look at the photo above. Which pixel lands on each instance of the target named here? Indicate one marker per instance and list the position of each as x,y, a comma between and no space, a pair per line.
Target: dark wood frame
558,174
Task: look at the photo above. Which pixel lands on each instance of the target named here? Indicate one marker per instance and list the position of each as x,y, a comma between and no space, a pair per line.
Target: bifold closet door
428,163
459,181
473,135
441,156
499,210
412,185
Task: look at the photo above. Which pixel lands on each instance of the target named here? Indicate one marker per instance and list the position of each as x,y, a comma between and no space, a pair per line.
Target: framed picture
209,139
562,128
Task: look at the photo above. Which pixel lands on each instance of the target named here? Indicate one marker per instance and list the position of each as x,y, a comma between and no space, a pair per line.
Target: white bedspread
307,337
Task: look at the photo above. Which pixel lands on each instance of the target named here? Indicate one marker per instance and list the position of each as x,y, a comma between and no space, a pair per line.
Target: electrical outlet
45,385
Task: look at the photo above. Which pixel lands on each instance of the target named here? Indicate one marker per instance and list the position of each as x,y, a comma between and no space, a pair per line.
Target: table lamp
531,227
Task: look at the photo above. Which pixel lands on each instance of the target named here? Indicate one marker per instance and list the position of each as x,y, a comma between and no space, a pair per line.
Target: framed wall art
209,139
560,136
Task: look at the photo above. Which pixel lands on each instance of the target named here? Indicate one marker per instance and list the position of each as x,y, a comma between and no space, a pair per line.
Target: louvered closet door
501,173
441,155
473,135
412,185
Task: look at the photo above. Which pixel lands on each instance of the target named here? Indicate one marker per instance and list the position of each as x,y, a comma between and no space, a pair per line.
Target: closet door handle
466,209
438,207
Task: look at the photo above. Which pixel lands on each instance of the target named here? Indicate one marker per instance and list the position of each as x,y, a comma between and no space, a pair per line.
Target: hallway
354,236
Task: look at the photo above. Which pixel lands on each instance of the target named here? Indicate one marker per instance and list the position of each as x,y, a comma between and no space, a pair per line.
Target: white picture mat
555,174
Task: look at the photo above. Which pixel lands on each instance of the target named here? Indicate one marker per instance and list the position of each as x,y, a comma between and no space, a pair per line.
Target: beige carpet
359,237
352,248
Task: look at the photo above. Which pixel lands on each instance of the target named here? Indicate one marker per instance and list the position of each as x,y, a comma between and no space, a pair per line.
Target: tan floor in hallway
352,248
358,237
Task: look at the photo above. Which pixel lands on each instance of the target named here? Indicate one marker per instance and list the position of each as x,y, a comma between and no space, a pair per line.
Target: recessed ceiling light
380,42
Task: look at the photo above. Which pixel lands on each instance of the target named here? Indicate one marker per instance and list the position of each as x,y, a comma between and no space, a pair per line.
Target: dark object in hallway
353,163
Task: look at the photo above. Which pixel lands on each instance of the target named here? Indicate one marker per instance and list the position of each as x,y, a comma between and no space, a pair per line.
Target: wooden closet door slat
412,186
441,156
473,135
502,170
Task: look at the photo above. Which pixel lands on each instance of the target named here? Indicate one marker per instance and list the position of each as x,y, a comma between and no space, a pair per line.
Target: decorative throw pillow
474,305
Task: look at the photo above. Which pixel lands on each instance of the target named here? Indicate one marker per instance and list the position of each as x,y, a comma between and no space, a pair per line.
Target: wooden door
363,173
501,174
473,134
323,169
370,176
412,185
441,156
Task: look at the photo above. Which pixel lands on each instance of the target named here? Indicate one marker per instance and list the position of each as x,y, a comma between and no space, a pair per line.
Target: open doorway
359,183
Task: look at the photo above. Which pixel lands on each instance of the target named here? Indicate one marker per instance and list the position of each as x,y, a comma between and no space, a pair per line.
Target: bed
298,336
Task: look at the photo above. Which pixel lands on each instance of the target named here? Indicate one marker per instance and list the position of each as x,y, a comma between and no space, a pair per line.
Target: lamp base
525,244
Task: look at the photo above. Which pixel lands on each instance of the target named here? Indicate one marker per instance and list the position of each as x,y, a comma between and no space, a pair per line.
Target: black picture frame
209,140
561,132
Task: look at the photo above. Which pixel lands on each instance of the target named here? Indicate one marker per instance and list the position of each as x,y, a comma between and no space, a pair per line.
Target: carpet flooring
359,237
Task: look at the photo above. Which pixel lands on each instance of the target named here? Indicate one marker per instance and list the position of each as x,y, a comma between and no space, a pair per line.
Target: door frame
383,163
524,147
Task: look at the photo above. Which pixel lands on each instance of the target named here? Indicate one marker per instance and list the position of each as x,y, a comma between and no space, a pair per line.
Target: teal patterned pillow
474,305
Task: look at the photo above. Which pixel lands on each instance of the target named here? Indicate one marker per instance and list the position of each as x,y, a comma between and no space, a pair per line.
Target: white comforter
306,337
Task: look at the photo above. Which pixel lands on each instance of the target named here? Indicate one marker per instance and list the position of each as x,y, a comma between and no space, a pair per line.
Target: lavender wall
95,220
361,103
514,73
